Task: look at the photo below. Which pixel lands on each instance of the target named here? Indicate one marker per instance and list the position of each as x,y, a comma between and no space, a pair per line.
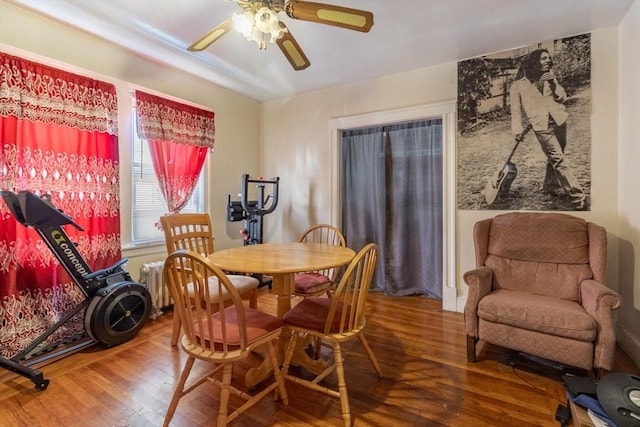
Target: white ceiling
406,35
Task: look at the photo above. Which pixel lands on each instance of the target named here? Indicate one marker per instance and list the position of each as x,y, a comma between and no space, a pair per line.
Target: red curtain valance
39,93
170,121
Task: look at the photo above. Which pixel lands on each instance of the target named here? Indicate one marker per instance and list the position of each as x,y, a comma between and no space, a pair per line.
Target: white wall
296,138
296,147
237,116
629,178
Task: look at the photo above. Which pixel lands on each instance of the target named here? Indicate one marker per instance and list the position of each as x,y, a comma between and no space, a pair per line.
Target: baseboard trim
629,343
461,301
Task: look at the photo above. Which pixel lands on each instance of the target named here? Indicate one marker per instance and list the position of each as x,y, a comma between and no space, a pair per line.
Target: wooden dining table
281,261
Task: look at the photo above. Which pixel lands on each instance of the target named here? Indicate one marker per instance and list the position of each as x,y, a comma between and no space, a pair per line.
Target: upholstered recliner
539,288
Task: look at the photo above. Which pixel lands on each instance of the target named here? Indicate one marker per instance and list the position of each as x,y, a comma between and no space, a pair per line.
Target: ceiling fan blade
291,49
213,35
352,19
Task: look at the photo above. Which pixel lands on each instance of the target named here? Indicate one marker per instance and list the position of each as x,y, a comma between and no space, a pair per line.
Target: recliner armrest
480,282
598,301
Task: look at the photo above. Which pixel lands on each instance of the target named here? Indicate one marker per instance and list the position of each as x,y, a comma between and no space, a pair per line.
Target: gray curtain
392,196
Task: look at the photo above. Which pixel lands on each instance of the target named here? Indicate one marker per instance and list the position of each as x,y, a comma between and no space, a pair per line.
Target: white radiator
151,275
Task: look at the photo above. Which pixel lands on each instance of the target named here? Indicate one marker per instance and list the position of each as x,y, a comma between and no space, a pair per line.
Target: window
147,202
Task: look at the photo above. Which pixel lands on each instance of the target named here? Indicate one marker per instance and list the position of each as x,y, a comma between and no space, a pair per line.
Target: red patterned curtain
57,136
179,138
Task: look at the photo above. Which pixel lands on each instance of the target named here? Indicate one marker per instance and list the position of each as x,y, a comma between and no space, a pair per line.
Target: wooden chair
193,232
316,283
335,320
217,333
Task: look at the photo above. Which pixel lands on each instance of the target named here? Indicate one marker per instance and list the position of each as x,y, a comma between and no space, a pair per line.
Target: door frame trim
446,111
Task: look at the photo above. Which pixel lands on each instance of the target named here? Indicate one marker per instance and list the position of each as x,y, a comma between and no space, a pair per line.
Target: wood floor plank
422,349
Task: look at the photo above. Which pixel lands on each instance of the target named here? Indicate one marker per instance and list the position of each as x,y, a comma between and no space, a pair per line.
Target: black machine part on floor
619,395
116,307
539,366
577,385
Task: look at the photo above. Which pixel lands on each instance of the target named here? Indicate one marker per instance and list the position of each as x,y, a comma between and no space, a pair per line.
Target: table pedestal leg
283,286
301,358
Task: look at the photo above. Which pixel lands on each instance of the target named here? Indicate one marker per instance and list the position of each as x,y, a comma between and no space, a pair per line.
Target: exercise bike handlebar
259,209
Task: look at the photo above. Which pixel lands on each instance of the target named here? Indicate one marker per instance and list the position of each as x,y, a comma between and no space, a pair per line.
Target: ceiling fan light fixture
243,22
259,26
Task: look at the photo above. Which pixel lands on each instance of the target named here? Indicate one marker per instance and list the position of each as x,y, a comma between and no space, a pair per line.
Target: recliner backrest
541,253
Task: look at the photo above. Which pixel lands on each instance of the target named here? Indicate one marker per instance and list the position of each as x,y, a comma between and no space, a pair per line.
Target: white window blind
147,202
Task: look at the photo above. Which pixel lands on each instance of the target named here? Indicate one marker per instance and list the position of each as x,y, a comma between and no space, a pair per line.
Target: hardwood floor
421,348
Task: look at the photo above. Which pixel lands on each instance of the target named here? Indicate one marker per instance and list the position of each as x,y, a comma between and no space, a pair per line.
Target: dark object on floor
540,366
576,385
563,414
619,395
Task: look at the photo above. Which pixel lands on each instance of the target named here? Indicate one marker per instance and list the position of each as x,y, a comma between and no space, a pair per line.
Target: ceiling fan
259,22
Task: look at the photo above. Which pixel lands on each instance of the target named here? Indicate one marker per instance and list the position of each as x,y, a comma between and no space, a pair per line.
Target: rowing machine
116,308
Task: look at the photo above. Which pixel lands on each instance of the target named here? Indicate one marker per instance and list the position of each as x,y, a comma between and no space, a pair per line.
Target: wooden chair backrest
328,234
187,273
350,295
188,231
323,233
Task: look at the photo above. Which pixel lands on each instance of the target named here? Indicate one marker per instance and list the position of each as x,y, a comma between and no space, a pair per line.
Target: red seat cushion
258,324
311,283
312,314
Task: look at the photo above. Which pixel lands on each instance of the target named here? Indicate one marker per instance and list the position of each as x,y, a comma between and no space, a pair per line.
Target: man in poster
537,93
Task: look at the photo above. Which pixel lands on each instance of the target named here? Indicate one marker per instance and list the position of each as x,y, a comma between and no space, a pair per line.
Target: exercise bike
252,212
116,308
